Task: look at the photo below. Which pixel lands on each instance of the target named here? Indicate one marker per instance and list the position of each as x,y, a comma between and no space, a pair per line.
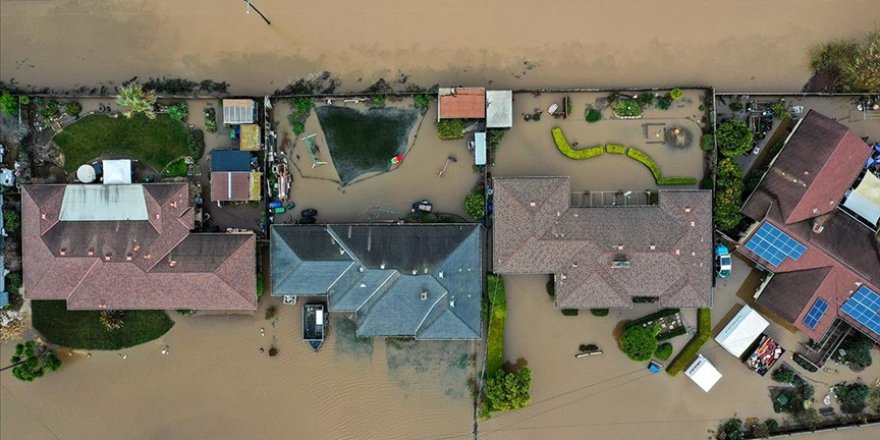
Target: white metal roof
116,172
103,203
742,331
480,148
865,199
703,373
238,111
499,109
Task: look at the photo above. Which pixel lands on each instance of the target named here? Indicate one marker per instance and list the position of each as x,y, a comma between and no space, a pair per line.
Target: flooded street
730,44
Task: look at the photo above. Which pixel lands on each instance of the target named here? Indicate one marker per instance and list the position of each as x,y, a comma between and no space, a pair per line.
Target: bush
626,107
11,220
569,312
178,112
422,101
195,140
73,108
260,287
497,317
664,102
210,120
551,288
646,98
495,138
178,168
676,94
377,101
592,115
677,180
475,205
615,149
644,159
51,110
639,343
736,106
563,146
13,282
734,138
507,391
708,142
780,111
302,108
35,360
730,430
857,352
449,129
8,104
784,374
600,312
852,397
652,317
689,352
664,351
852,67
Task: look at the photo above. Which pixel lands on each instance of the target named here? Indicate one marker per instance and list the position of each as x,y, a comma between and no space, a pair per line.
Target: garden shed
739,334
116,172
499,109
239,186
239,111
230,160
250,137
461,103
703,373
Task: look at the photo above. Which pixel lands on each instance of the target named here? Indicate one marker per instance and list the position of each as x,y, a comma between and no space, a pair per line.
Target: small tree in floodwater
136,100
31,361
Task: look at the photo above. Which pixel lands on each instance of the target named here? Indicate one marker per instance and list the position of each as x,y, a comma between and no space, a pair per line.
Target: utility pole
250,6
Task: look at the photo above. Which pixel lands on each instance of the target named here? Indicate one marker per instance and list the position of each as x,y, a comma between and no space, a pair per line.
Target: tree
639,343
136,100
475,205
729,194
676,94
11,220
730,430
8,104
852,397
178,111
863,74
734,138
855,352
506,391
664,351
784,375
33,360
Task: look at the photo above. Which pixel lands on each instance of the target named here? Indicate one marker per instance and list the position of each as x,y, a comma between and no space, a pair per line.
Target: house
232,177
239,111
415,280
824,257
461,103
126,247
603,257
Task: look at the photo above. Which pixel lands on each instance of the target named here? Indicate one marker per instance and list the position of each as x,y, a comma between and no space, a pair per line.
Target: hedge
599,312
570,312
653,316
677,180
687,355
644,159
664,351
671,334
563,146
497,316
615,149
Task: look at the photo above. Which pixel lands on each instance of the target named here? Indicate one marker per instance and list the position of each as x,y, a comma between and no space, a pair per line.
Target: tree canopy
506,391
33,359
639,343
734,138
136,100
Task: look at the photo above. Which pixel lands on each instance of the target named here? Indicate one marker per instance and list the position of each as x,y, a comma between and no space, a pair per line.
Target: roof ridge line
424,318
230,257
81,280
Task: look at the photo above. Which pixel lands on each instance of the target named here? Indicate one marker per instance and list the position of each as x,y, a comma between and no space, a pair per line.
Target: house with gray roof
602,257
418,280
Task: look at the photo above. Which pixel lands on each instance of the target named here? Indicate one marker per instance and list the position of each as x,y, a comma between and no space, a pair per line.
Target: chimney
818,228
424,295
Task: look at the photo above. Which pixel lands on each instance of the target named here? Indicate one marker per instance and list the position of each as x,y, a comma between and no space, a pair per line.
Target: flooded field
215,383
733,45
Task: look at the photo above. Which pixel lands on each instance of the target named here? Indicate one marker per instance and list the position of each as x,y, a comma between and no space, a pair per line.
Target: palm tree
136,100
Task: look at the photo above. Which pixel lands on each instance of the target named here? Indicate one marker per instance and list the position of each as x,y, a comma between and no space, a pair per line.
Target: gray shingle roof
381,271
668,246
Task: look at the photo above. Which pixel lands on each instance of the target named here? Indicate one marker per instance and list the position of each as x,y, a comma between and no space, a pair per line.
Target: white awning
741,332
703,373
499,109
865,199
116,172
480,148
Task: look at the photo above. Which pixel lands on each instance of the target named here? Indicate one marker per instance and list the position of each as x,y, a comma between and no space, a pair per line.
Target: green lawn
154,141
497,316
83,330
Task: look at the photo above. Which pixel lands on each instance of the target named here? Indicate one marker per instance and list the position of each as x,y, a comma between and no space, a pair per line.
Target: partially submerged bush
592,115
73,108
664,351
569,312
475,205
599,312
639,343
178,112
676,94
734,138
689,352
449,129
626,107
33,361
507,391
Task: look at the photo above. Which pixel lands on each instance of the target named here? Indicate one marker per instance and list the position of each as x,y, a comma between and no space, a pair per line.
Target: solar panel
773,245
864,307
816,313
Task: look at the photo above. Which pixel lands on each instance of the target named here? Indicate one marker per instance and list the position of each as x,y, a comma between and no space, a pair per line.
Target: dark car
309,212
306,220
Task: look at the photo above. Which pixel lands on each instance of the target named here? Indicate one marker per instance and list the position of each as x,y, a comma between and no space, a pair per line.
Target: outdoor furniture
553,108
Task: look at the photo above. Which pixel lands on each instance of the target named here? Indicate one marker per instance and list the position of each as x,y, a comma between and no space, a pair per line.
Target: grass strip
497,316
689,353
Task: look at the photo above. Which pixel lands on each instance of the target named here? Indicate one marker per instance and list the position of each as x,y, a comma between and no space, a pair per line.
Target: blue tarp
230,160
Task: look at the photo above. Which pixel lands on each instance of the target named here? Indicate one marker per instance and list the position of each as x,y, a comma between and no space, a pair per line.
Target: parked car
422,206
723,262
306,220
309,212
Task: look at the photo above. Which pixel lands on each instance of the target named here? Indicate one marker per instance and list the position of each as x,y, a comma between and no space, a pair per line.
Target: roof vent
361,269
62,252
678,252
424,295
815,210
363,284
693,223
687,209
382,266
563,277
415,272
157,216
147,256
653,247
136,246
558,214
574,265
533,204
440,275
620,264
91,252
128,257
620,247
817,228
172,263
44,216
107,257
426,270
173,204
452,303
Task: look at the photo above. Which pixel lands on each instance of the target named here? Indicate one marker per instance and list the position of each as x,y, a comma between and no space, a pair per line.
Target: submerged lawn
497,316
83,330
154,141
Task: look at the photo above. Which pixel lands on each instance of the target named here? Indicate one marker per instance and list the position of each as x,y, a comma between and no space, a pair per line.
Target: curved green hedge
564,148
615,149
644,159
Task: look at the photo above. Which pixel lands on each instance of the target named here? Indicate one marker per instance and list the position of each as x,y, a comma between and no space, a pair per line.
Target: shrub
195,140
857,352
475,205
302,108
645,160
852,397
260,287
495,138
784,375
210,120
676,94
677,180
730,430
137,100
664,102
298,128
112,320
551,288
664,351
11,220
708,142
646,98
563,146
639,343
852,67
13,282
736,106
592,115
497,316
734,138
569,312
178,168
422,101
50,110
615,149
73,108
449,129
779,110
626,107
8,104
271,312
377,101
729,194
689,352
507,391
772,426
178,112
35,359
600,312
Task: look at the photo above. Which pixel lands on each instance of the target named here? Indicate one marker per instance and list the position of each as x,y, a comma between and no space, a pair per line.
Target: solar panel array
864,307
773,245
816,313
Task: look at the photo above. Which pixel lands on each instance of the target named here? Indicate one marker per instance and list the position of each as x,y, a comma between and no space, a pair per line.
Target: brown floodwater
731,44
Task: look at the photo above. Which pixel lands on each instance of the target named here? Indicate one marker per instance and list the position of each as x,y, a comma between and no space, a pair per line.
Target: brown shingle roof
535,231
463,103
788,292
127,264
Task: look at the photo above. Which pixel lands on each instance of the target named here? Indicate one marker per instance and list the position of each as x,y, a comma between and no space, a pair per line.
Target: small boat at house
314,324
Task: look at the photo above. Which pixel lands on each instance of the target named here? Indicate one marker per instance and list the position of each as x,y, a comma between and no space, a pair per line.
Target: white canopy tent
703,373
117,172
741,331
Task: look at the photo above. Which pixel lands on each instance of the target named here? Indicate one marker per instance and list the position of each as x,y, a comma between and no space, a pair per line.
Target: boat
314,325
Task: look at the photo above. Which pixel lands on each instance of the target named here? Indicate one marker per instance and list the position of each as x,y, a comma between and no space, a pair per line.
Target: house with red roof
128,247
825,259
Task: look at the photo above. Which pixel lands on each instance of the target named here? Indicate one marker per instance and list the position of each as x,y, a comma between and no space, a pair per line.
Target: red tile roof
463,103
147,264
